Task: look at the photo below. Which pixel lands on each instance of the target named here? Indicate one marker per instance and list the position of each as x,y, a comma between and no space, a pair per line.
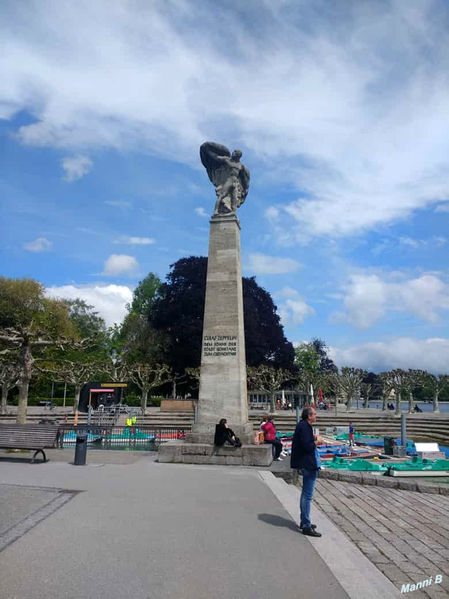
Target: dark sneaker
311,532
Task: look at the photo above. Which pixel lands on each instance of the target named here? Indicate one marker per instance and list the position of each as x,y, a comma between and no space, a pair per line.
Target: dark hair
306,412
223,421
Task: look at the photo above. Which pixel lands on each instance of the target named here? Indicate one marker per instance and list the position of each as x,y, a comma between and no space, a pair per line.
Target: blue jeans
308,485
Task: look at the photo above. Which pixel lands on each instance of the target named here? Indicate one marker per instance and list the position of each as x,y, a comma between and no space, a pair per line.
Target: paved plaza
147,530
406,534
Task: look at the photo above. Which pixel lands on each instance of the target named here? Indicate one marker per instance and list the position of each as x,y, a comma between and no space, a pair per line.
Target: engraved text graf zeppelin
220,345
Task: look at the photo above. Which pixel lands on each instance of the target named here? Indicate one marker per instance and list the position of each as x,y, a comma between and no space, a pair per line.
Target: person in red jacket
269,432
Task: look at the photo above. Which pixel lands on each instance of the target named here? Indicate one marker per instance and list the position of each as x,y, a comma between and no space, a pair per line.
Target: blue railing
145,437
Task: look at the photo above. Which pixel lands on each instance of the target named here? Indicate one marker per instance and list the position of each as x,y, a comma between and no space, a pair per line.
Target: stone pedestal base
205,433
182,452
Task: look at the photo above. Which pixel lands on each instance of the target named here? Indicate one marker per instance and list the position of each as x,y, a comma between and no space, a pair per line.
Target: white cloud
272,213
201,212
365,300
411,242
403,352
368,297
108,300
359,128
439,240
41,244
118,203
271,265
120,264
286,292
442,207
135,240
293,309
76,167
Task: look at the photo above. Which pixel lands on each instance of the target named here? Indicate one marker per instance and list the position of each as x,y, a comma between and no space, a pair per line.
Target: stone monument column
222,392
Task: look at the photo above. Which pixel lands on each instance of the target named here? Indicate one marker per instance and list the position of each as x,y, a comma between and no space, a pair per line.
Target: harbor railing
145,437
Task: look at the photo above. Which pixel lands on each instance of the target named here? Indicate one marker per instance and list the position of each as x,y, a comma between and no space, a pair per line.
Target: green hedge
155,401
131,399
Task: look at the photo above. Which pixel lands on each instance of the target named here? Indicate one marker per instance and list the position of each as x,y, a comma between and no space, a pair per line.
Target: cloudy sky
341,111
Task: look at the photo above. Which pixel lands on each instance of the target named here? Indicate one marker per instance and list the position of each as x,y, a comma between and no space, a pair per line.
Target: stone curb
365,478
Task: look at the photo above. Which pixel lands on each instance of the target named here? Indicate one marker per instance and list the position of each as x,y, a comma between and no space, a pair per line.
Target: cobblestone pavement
404,533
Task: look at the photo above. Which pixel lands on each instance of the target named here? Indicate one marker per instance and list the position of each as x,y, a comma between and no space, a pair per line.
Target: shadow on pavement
278,521
24,460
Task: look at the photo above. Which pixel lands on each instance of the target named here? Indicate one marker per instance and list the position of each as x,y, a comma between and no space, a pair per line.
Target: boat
418,467
355,465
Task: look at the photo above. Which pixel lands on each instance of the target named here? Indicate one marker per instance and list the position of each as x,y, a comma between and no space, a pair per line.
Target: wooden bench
33,437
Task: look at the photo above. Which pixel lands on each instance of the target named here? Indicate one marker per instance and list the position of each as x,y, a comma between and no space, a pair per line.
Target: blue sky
341,111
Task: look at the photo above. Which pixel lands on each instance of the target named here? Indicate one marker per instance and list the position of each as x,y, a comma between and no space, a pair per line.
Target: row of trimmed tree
158,345
348,385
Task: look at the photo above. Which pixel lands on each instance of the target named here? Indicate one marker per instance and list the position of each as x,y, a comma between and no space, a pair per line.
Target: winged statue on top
229,176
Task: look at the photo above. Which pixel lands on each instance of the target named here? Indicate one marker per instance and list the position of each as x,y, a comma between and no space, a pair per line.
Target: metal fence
145,437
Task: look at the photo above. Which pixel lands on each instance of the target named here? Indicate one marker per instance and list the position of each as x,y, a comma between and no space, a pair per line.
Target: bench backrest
28,436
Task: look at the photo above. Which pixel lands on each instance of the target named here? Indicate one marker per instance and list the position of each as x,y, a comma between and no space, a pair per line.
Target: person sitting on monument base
269,431
223,434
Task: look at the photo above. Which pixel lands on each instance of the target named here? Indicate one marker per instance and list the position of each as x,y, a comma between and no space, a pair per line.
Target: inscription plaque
220,345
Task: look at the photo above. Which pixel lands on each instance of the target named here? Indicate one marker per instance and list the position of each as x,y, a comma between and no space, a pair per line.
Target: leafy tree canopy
178,311
144,295
139,341
23,306
31,323
313,358
87,321
136,339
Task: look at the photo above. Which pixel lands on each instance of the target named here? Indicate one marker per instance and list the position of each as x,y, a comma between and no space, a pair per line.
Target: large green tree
145,294
136,339
179,309
86,319
313,367
30,323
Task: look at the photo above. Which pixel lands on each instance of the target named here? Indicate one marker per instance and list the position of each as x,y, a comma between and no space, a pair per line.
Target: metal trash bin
388,445
80,448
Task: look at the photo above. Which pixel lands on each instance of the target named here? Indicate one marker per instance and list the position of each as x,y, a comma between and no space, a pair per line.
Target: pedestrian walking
304,458
351,434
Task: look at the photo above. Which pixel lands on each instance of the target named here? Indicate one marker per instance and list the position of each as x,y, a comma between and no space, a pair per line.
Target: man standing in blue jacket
304,458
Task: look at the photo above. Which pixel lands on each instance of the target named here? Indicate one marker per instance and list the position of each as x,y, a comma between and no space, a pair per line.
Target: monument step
182,452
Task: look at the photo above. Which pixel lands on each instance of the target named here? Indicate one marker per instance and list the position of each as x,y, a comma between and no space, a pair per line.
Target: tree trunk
5,390
143,403
366,402
348,403
23,402
76,401
384,402
411,403
26,363
436,405
272,402
173,389
398,403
